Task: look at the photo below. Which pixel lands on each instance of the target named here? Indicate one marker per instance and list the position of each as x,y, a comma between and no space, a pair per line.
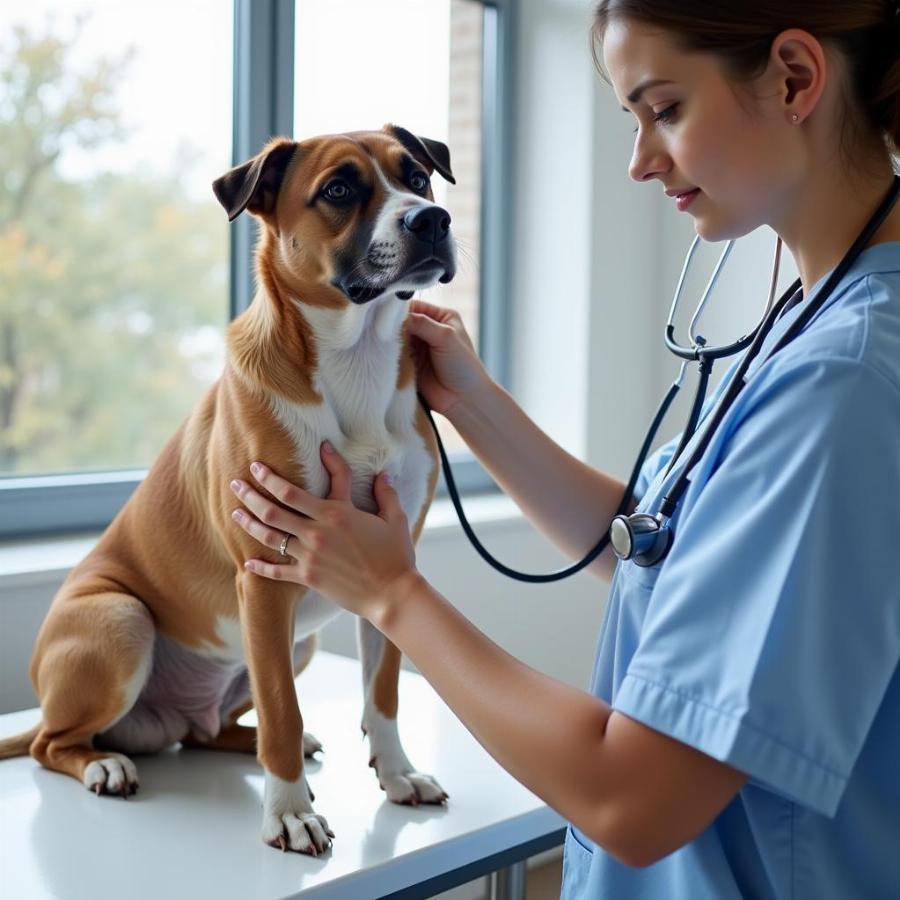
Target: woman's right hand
447,365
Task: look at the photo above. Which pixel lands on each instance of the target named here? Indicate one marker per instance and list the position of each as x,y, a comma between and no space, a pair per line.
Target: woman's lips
683,201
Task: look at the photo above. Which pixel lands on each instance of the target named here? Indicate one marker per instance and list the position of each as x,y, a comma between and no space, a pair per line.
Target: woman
742,734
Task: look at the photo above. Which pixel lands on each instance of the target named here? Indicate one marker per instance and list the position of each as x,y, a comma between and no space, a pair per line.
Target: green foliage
110,288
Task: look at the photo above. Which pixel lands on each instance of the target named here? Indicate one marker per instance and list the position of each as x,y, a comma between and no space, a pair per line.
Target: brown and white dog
160,635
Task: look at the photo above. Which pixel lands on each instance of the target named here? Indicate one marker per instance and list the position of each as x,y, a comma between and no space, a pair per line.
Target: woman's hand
355,558
447,366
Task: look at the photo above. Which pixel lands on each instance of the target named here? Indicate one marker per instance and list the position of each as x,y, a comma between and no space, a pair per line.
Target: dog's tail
20,744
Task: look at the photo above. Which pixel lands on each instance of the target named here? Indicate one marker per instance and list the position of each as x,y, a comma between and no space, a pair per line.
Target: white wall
596,259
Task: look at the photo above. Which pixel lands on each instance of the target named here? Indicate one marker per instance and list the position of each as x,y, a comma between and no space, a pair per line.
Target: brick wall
464,198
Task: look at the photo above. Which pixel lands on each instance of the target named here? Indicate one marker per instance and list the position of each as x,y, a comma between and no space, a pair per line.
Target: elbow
634,854
638,857
632,841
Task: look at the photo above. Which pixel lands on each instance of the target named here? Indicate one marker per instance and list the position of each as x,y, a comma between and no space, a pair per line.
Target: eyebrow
348,170
635,95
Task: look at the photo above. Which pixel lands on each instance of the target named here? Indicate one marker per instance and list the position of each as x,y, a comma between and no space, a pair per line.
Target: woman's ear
801,69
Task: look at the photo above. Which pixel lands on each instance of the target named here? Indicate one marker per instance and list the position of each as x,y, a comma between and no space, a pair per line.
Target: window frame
264,67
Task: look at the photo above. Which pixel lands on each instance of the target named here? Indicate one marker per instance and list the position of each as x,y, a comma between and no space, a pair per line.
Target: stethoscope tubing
598,548
699,352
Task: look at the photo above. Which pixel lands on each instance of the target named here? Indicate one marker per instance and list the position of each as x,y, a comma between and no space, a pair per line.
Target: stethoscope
646,538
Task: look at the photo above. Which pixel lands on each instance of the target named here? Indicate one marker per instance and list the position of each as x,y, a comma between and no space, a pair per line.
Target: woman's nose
647,161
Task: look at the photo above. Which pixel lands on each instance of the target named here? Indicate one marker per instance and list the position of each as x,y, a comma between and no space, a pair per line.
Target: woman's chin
713,232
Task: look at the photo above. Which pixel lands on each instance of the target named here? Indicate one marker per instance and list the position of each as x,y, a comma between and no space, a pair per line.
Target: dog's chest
369,422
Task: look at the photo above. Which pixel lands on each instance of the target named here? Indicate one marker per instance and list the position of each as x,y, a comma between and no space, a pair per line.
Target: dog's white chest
367,450
366,418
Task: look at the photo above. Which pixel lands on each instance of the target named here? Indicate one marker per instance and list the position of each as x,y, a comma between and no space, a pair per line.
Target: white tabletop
192,830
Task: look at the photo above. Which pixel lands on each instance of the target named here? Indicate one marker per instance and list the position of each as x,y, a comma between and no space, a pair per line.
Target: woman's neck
827,214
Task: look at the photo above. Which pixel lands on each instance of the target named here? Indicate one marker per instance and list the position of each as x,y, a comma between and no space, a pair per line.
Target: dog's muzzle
424,239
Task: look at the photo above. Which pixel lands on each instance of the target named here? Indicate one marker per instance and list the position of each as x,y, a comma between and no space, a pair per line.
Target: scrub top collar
877,258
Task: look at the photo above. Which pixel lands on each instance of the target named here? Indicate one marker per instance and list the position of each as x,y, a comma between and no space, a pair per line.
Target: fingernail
237,515
235,486
389,478
255,468
326,446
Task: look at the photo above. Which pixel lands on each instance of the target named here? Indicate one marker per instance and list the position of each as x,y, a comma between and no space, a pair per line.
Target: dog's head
350,216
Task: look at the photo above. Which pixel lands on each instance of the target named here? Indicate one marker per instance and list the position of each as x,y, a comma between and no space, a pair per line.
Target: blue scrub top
769,637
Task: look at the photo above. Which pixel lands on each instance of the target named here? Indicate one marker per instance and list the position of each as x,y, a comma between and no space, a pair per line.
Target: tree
107,285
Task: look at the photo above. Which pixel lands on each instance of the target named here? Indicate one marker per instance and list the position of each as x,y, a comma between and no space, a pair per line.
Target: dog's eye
418,181
337,190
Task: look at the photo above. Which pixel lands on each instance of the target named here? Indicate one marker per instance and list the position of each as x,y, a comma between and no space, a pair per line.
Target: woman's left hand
351,556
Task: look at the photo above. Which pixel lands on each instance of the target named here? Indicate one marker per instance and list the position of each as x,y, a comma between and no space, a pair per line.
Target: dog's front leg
267,614
381,672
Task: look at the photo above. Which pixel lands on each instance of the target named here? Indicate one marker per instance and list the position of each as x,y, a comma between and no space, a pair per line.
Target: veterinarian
742,734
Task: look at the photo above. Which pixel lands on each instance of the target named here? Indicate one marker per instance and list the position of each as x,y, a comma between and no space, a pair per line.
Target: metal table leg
509,883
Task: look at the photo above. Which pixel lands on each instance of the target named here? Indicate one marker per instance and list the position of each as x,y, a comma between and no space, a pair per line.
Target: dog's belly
192,691
186,692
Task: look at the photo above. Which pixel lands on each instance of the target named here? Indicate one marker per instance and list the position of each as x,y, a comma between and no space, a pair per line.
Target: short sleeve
773,628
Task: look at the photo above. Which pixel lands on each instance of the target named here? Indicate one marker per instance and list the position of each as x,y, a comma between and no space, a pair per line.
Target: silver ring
284,542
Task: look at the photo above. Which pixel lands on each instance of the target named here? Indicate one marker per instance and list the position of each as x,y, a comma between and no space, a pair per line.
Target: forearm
548,735
569,501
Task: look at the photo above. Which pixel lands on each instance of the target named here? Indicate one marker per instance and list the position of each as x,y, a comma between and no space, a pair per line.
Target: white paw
396,774
311,744
114,774
289,821
410,787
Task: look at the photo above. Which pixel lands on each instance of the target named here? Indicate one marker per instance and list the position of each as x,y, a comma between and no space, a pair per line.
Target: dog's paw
114,774
398,777
311,744
409,787
289,820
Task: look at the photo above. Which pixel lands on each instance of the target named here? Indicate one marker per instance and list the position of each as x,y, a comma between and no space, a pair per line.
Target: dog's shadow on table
390,820
187,798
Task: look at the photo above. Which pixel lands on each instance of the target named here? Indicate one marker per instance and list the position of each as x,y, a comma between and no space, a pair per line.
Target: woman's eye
418,181
664,115
337,190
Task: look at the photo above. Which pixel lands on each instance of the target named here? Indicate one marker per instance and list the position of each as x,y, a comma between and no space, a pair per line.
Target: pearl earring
795,118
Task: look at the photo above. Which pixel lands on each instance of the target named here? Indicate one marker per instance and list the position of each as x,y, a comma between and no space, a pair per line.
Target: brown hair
740,32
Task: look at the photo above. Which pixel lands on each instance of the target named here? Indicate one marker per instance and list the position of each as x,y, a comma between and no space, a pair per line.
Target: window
113,250
118,270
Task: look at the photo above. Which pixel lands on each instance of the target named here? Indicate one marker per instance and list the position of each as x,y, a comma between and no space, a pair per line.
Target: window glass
413,63
114,120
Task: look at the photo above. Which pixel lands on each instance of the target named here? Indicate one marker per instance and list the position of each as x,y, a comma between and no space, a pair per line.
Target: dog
160,634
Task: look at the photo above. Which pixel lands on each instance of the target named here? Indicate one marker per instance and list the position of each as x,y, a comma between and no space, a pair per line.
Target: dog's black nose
428,223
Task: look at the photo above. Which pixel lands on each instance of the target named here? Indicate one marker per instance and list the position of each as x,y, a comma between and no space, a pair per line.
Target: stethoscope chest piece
640,537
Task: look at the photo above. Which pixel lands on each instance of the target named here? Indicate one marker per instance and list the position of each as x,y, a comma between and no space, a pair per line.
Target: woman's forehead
635,53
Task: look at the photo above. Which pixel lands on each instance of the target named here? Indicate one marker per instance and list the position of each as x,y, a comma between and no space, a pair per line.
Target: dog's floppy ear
254,185
432,154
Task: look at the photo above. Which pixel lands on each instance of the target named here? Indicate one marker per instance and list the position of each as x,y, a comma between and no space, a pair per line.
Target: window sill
34,560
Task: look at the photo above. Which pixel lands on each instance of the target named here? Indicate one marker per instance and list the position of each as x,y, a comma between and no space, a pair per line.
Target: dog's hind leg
381,672
92,657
